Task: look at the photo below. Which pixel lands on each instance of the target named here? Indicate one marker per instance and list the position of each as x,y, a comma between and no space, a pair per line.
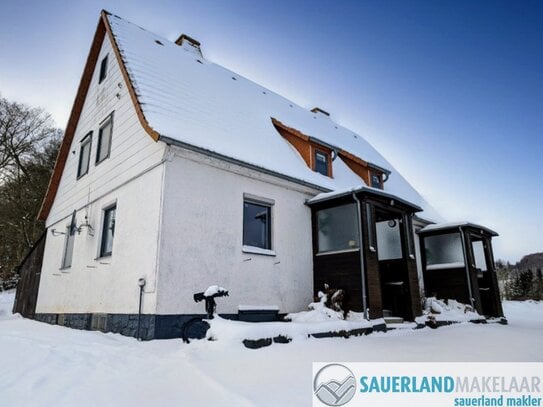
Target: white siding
132,149
202,239
132,176
108,284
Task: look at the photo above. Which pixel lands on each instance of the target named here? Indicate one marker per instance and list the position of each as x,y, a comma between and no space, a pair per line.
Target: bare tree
29,143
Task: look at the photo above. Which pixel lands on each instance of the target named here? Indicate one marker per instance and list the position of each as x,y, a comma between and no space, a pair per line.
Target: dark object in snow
194,328
211,305
257,343
282,339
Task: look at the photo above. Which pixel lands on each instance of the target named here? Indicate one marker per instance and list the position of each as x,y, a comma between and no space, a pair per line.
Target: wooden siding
29,280
342,271
132,150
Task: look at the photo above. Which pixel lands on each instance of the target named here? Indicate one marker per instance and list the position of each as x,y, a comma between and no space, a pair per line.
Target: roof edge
102,28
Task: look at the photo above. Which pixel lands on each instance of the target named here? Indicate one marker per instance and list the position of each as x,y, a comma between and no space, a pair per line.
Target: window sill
338,252
103,257
64,269
258,250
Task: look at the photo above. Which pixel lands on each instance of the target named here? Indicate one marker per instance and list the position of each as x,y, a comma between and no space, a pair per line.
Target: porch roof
456,225
361,189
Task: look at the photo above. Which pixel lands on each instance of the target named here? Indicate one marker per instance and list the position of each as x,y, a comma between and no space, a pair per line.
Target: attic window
103,70
322,161
375,180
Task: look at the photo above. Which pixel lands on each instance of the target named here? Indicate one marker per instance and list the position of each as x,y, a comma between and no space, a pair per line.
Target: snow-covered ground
44,365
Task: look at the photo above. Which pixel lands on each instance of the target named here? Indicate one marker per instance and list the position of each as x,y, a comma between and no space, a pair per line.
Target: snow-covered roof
326,196
193,101
456,225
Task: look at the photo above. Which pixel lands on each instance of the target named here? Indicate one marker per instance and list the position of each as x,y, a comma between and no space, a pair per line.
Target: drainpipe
361,247
141,283
464,249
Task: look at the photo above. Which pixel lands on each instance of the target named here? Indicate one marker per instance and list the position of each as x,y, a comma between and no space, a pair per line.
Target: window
479,255
389,239
337,228
103,70
376,181
257,224
108,231
69,243
84,155
321,162
444,251
104,139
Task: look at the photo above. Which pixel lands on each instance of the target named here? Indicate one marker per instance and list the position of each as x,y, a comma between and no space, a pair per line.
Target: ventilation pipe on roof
319,111
189,44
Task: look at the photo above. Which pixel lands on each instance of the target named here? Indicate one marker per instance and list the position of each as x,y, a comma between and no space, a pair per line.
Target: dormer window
322,160
103,70
376,181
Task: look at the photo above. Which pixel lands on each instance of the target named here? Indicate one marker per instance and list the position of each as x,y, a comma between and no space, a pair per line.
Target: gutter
231,160
361,246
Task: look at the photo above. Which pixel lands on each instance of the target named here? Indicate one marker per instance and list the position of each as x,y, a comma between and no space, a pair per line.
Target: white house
180,172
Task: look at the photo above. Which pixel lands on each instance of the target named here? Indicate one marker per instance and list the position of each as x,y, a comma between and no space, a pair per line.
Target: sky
450,92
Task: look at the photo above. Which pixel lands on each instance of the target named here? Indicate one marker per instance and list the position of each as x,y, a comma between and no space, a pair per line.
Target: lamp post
141,284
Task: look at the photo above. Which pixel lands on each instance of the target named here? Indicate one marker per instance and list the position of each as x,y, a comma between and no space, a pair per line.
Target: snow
450,225
44,365
194,101
258,308
443,266
450,311
214,289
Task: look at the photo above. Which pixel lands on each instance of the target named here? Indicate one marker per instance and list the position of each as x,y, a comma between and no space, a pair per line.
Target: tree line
29,143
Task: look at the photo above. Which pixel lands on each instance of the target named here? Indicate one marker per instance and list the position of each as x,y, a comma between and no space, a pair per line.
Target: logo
334,385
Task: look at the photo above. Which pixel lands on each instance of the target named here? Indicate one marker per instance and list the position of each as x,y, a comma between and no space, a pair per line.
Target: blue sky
451,92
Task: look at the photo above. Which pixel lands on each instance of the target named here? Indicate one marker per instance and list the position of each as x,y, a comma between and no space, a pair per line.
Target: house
175,174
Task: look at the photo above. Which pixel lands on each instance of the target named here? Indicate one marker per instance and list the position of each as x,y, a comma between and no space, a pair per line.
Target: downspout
361,247
470,289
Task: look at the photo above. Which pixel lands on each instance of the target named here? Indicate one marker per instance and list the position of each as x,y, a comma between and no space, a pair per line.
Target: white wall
132,149
202,239
107,284
132,176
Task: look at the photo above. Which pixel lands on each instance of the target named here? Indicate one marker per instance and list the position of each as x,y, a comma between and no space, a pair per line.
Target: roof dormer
189,44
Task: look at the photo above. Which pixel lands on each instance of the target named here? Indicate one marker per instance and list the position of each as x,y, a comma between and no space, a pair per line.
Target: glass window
376,181
108,231
321,163
389,239
69,243
479,254
337,228
84,155
103,70
444,250
104,139
257,225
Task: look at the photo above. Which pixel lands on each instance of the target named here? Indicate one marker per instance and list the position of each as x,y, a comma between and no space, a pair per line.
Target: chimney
318,110
189,44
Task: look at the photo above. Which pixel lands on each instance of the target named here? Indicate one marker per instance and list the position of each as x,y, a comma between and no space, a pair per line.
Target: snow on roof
193,101
455,225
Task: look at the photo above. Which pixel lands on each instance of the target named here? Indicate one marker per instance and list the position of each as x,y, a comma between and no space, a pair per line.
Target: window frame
84,141
107,121
269,204
105,210
71,228
102,74
317,151
378,175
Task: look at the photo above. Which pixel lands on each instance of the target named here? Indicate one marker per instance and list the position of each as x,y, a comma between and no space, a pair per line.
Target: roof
456,225
328,196
183,98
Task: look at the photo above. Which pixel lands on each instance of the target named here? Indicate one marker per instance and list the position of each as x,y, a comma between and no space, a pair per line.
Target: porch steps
393,320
